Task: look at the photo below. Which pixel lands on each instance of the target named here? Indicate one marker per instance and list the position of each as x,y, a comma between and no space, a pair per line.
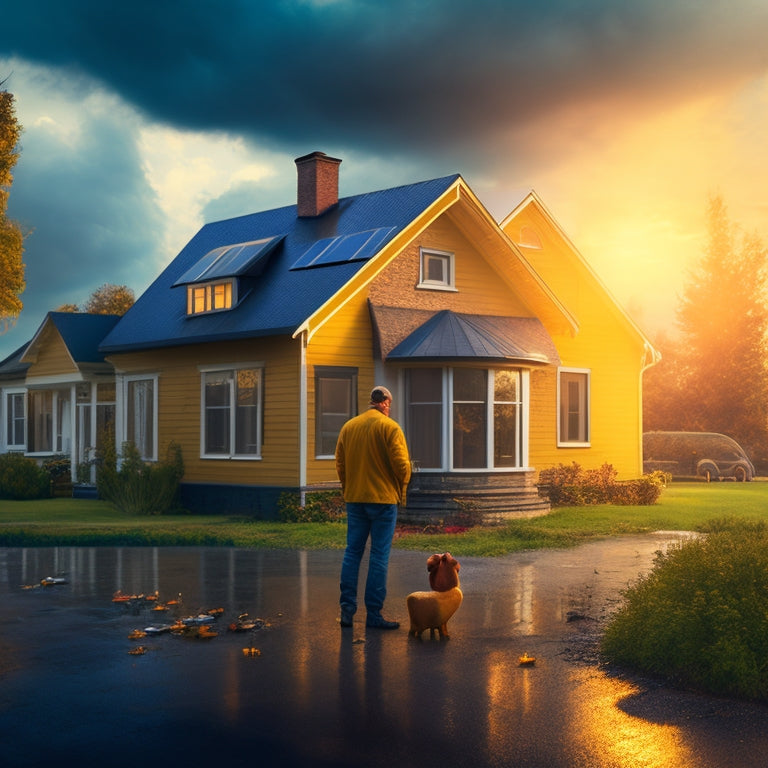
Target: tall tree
715,378
11,239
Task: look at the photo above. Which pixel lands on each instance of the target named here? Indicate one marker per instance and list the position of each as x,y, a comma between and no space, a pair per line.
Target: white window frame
231,371
7,395
446,258
124,389
209,297
447,425
583,412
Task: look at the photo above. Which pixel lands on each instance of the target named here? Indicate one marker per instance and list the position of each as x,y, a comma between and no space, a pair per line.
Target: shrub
22,478
57,466
569,485
139,487
319,507
701,615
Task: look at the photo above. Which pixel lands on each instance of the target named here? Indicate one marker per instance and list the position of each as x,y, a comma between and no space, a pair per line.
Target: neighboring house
267,332
58,393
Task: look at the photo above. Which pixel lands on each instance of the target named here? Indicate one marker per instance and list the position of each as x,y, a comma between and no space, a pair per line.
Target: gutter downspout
303,410
651,356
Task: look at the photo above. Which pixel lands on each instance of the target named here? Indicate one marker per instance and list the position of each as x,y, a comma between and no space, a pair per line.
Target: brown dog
431,610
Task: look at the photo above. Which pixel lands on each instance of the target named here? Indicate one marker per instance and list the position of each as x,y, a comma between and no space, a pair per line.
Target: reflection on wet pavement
313,694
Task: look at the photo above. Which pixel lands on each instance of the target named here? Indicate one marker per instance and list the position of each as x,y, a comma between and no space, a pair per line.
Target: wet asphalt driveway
311,694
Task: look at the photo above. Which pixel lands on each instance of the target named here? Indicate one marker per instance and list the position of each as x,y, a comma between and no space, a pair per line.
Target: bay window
465,418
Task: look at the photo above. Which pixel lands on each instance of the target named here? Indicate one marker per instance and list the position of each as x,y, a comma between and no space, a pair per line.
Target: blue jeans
378,522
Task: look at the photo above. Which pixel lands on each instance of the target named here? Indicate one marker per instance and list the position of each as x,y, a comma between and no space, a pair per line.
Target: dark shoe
379,622
346,618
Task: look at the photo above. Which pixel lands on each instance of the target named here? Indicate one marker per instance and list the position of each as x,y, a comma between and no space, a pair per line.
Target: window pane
470,385
140,416
469,436
470,393
41,416
334,404
574,416
247,413
15,426
424,417
217,403
435,270
506,386
105,424
505,436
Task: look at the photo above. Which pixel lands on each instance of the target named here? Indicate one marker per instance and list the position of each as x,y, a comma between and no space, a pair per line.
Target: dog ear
433,562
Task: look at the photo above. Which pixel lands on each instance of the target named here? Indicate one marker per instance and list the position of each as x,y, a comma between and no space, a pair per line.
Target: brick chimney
318,188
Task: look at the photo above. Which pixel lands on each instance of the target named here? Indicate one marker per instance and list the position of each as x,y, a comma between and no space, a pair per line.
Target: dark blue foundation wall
259,502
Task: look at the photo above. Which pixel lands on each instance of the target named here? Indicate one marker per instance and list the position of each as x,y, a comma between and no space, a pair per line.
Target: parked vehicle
707,455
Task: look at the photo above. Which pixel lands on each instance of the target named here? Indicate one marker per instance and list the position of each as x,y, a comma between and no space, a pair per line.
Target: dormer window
212,281
211,297
436,270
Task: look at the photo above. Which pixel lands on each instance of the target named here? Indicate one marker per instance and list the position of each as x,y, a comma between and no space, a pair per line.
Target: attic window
436,270
211,297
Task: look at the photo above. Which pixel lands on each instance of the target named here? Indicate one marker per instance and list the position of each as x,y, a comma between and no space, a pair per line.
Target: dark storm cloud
90,216
432,75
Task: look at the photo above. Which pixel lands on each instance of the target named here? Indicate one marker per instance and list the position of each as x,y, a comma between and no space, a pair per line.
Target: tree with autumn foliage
713,377
107,299
11,238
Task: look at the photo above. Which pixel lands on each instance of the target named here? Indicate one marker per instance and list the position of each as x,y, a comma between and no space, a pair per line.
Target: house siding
346,341
53,359
179,407
606,345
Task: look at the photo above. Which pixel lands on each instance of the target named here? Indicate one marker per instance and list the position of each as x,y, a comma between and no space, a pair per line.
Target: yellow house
503,351
598,387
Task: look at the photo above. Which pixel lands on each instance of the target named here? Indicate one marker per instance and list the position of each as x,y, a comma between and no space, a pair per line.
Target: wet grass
75,522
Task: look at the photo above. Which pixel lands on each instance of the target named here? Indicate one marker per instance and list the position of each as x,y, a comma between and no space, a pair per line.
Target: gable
558,261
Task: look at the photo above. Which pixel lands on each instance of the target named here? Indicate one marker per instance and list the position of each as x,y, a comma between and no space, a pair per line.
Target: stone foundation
484,497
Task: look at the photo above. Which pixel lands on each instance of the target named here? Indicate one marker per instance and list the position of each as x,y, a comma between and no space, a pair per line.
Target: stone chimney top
318,188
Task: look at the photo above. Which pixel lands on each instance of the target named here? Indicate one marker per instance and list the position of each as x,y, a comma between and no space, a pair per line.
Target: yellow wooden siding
179,407
606,344
346,341
53,358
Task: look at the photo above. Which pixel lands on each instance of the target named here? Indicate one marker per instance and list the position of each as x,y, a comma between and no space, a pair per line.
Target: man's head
381,398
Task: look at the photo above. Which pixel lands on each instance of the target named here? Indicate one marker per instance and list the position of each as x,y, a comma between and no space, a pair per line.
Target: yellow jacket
372,459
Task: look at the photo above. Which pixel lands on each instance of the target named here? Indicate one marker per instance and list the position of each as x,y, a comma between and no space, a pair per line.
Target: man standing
374,468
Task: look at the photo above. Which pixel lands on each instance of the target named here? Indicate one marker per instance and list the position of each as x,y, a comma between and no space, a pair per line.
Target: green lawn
70,522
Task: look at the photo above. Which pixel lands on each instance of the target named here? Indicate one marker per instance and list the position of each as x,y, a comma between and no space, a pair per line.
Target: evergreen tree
714,378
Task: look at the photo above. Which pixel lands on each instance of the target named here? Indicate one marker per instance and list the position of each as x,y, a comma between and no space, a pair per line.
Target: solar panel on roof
343,248
229,261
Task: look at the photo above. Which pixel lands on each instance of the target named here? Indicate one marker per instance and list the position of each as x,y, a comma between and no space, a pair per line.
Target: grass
75,522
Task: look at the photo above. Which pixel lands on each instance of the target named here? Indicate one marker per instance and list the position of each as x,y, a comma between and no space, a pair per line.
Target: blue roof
310,260
12,367
451,336
82,333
